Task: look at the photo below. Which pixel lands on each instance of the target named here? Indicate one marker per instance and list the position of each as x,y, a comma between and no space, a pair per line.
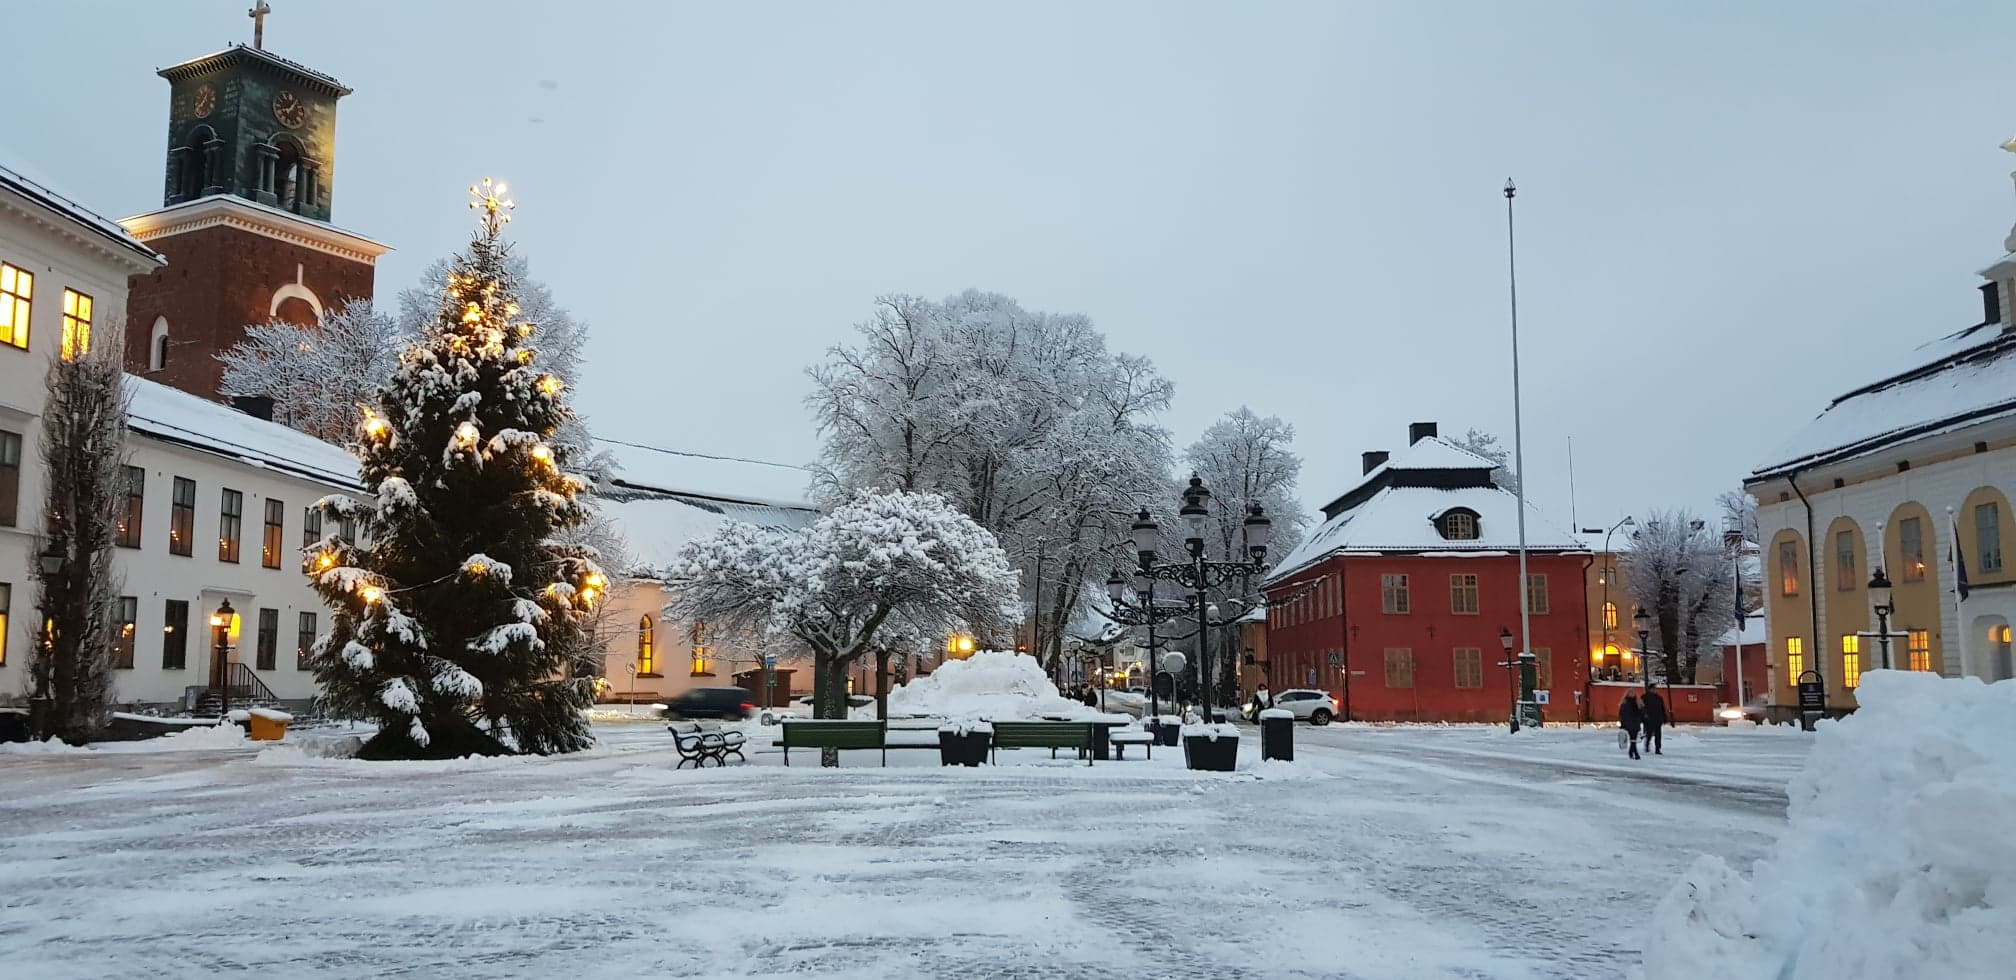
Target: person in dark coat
1655,719
1631,718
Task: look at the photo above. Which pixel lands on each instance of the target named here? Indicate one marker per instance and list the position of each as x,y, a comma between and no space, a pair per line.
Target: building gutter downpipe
1812,599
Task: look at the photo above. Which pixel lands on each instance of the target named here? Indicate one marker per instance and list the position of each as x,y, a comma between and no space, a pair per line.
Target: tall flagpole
1528,711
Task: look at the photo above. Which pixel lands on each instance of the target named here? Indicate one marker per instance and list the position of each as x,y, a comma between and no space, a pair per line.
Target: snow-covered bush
1896,860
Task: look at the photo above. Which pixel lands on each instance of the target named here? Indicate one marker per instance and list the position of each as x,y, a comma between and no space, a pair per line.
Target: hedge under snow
1897,861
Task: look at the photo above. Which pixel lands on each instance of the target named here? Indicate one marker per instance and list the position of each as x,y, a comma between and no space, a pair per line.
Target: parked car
711,702
1314,707
802,708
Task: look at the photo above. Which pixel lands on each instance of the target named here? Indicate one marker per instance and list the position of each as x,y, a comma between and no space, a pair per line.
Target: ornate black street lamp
1197,575
1879,594
1511,664
220,670
1644,623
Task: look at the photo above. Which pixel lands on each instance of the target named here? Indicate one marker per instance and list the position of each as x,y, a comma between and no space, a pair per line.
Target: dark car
711,702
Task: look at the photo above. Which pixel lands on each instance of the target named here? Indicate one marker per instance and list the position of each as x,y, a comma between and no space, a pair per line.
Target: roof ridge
684,452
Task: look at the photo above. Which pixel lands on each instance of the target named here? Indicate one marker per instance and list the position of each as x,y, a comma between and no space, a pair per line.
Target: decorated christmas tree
459,620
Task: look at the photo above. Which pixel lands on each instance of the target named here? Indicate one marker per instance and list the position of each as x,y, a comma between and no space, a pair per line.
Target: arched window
1609,615
196,163
647,647
1457,524
157,347
287,172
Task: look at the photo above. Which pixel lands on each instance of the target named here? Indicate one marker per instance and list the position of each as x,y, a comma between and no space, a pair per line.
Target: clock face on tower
289,110
206,102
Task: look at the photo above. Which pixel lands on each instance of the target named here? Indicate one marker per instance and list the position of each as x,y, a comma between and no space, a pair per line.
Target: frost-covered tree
1487,445
83,459
458,617
1243,459
318,377
1678,570
1022,419
1739,512
906,562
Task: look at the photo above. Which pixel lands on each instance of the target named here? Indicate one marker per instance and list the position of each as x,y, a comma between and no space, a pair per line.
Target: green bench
1052,735
832,735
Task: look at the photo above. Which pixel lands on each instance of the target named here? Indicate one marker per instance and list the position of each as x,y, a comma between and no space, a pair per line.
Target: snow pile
193,739
1892,863
54,746
992,684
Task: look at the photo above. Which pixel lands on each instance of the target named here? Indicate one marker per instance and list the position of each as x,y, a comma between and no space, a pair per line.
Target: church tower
249,181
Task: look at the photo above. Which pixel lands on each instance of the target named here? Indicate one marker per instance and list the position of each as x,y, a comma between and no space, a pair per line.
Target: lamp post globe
1195,509
52,559
1259,531
1146,535
1116,587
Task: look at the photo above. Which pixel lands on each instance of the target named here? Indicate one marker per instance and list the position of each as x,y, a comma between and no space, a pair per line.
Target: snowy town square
895,489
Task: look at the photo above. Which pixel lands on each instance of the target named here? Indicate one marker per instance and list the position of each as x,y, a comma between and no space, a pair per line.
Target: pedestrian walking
1655,720
1631,718
1262,699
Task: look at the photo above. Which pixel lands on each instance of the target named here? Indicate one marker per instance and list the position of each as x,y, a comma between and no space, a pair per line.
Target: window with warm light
175,634
1463,594
647,646
1911,548
76,324
701,666
230,525
1400,668
1609,615
133,483
1918,645
6,610
1788,568
1851,670
269,542
17,293
1795,658
182,518
304,640
1536,594
125,621
10,478
1393,593
1469,668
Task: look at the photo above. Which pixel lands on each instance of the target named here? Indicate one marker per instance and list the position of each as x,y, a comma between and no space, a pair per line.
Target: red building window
1463,595
1469,667
1393,594
1399,668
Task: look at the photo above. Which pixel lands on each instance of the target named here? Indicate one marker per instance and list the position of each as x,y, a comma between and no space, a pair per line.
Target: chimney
1419,431
258,406
1991,303
1373,459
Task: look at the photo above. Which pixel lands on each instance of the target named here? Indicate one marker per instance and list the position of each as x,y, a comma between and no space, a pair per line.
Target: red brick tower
245,216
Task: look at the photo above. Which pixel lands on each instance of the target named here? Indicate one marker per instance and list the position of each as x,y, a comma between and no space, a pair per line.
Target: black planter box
1166,733
969,749
1209,754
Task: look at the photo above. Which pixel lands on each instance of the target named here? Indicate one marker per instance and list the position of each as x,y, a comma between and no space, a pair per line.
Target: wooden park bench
1122,738
832,735
1052,735
699,746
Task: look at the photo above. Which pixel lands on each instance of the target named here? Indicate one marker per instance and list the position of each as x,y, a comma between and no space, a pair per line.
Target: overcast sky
1728,213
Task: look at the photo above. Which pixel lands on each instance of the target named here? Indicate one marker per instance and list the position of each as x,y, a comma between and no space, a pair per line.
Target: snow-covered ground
1406,852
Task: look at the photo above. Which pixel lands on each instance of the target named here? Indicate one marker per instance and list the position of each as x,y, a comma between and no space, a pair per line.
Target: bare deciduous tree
82,452
1678,571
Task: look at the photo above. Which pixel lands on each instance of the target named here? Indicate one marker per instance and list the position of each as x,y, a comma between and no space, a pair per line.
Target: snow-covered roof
243,52
39,191
1754,633
658,526
171,415
1968,377
719,478
1394,509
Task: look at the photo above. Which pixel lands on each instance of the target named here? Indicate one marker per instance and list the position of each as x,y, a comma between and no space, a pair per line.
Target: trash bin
1210,748
964,743
1277,734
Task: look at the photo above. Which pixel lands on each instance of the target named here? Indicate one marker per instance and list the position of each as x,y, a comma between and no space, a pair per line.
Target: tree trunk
829,697
882,684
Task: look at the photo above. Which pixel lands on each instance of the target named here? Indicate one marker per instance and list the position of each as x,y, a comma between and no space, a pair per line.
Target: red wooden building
1398,602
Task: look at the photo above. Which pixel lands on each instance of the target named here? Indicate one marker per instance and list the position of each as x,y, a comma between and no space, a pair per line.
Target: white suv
1315,707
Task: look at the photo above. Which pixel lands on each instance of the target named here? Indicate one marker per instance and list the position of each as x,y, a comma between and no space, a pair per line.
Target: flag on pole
1959,562
1741,616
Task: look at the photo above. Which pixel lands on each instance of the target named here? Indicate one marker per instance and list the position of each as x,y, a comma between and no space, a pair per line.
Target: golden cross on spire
258,14
495,207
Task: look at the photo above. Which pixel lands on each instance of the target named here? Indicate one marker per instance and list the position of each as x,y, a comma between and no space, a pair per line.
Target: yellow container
267,729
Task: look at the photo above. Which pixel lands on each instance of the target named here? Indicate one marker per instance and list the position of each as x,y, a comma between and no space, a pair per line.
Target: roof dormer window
1457,524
